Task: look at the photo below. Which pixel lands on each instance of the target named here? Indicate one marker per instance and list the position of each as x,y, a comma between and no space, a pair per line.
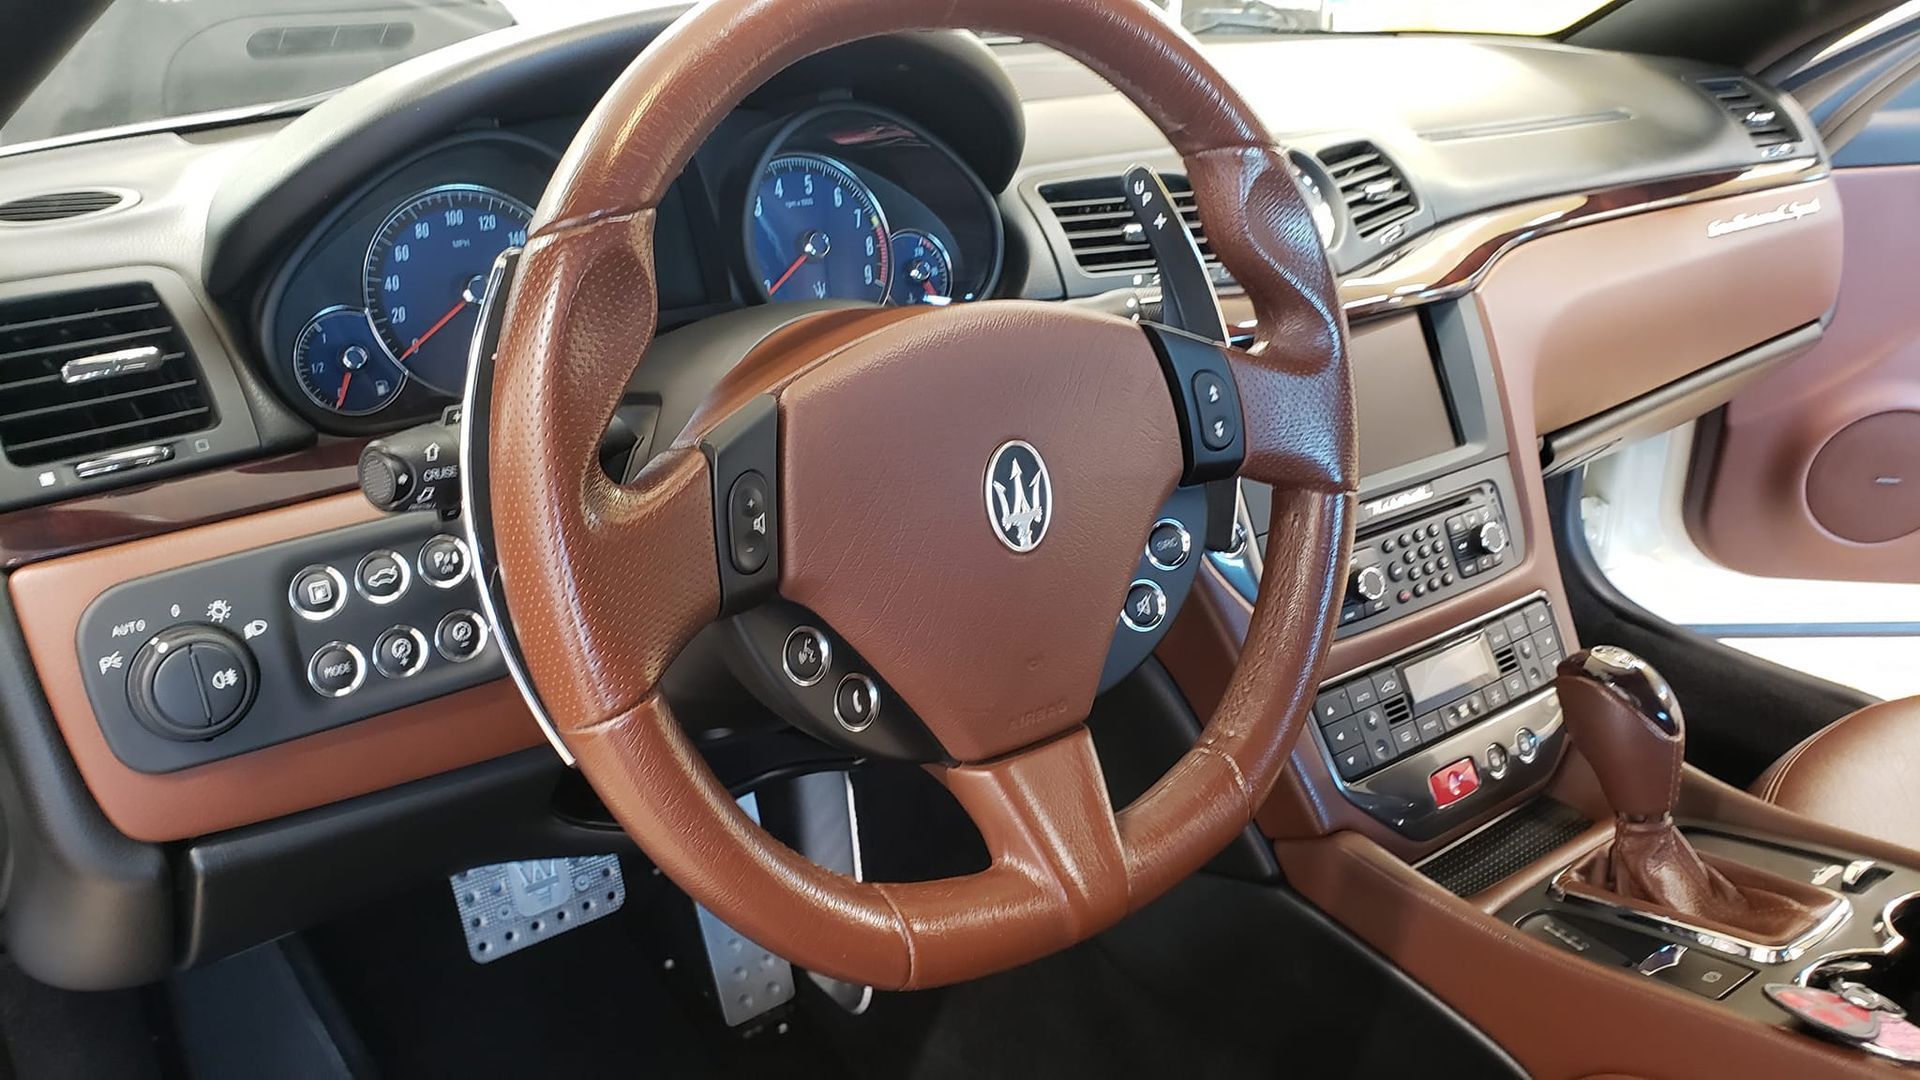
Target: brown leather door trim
460,729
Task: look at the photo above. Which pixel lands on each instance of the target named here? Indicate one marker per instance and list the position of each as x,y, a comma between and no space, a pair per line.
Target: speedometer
426,274
815,231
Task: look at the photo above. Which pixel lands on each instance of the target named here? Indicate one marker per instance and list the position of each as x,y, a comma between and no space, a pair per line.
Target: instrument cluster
370,324
367,327
852,202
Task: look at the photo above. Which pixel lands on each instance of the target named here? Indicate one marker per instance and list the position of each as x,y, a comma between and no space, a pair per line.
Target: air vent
1509,663
290,41
1101,230
1763,122
58,205
82,373
1375,193
1398,709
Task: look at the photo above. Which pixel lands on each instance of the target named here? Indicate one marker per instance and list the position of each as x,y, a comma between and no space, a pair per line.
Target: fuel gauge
342,365
923,273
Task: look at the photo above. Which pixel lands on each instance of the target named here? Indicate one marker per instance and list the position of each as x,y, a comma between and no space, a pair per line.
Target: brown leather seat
1861,773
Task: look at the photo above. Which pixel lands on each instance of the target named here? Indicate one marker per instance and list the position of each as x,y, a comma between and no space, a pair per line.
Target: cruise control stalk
415,469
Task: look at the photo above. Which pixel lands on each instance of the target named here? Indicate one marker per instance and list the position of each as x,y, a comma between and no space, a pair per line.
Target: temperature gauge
923,274
342,365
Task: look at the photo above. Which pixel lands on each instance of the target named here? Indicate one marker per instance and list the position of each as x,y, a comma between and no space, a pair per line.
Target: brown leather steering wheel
998,651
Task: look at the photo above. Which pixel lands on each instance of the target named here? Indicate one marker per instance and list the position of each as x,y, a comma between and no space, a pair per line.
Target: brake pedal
507,907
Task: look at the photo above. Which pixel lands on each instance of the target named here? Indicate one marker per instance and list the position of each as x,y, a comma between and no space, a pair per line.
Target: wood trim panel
125,514
460,729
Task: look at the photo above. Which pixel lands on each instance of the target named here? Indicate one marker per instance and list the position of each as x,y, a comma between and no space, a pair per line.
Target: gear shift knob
1625,720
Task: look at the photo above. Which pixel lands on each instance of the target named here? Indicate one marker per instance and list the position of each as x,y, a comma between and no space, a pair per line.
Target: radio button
1497,696
1488,562
1372,721
1516,685
1516,625
1546,640
1538,617
1406,737
1387,684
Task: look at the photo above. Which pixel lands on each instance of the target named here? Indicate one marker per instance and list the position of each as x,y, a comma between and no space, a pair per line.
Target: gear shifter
1625,720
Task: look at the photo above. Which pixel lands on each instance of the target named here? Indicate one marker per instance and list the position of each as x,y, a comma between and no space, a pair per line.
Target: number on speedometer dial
427,273
816,232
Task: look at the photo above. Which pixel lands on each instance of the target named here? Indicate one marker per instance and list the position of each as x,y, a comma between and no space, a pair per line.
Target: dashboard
366,326
323,273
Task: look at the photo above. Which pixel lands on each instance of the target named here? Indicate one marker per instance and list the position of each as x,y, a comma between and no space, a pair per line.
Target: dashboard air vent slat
1763,123
1375,193
48,412
60,205
1101,230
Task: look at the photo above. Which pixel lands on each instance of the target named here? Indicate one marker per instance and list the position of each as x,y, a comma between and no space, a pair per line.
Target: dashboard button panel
231,655
1427,738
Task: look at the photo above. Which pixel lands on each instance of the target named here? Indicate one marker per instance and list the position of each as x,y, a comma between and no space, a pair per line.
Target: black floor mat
48,1033
1220,979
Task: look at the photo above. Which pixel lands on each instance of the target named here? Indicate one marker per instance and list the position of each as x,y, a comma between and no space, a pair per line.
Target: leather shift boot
1652,867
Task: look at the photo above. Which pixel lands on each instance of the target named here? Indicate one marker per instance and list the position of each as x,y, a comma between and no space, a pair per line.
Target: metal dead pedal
507,907
749,981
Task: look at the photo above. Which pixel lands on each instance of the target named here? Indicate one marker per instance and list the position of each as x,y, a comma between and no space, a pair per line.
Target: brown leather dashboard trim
125,514
1452,260
460,729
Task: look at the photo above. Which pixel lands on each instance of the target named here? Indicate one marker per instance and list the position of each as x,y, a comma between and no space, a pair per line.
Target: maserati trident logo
1019,495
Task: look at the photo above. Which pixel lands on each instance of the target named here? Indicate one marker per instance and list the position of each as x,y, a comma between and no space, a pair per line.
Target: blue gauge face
922,271
816,233
427,272
342,365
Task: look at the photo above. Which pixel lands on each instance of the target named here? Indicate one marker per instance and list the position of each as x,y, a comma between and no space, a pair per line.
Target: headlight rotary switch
192,682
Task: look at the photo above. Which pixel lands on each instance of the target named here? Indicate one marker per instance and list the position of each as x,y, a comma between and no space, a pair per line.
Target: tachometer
814,231
342,366
426,274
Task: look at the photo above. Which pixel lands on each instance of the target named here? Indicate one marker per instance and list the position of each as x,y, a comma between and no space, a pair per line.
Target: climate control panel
235,654
1425,739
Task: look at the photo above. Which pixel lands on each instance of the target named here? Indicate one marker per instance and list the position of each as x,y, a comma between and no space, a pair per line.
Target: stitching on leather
1239,778
1779,779
906,935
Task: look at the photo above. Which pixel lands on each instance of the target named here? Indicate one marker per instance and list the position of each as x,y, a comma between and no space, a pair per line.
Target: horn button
970,507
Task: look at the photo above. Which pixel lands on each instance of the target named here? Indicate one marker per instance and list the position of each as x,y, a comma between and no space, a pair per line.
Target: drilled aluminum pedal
748,980
507,907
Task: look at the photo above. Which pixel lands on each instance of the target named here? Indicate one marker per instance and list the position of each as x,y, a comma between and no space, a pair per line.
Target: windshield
150,60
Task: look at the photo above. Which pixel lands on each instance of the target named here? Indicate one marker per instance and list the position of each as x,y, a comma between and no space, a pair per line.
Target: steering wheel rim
606,582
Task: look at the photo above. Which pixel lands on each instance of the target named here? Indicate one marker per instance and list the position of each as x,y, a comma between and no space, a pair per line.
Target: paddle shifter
1624,719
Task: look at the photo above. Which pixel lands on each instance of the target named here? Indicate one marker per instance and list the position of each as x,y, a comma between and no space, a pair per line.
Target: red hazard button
1454,782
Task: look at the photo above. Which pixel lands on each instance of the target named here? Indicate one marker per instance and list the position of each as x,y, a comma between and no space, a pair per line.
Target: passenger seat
1860,773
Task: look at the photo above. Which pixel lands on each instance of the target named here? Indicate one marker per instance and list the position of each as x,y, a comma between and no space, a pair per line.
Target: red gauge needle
797,264
432,330
345,381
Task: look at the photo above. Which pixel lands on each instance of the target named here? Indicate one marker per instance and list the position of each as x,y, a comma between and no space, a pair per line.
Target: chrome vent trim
1372,188
1755,112
48,416
1100,229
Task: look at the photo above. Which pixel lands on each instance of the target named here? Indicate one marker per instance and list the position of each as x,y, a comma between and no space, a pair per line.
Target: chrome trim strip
1837,915
477,511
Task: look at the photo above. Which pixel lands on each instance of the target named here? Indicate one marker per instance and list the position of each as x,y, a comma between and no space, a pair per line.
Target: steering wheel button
382,577
460,636
1168,545
1146,606
856,702
443,561
749,522
400,652
1219,420
336,670
806,655
318,592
